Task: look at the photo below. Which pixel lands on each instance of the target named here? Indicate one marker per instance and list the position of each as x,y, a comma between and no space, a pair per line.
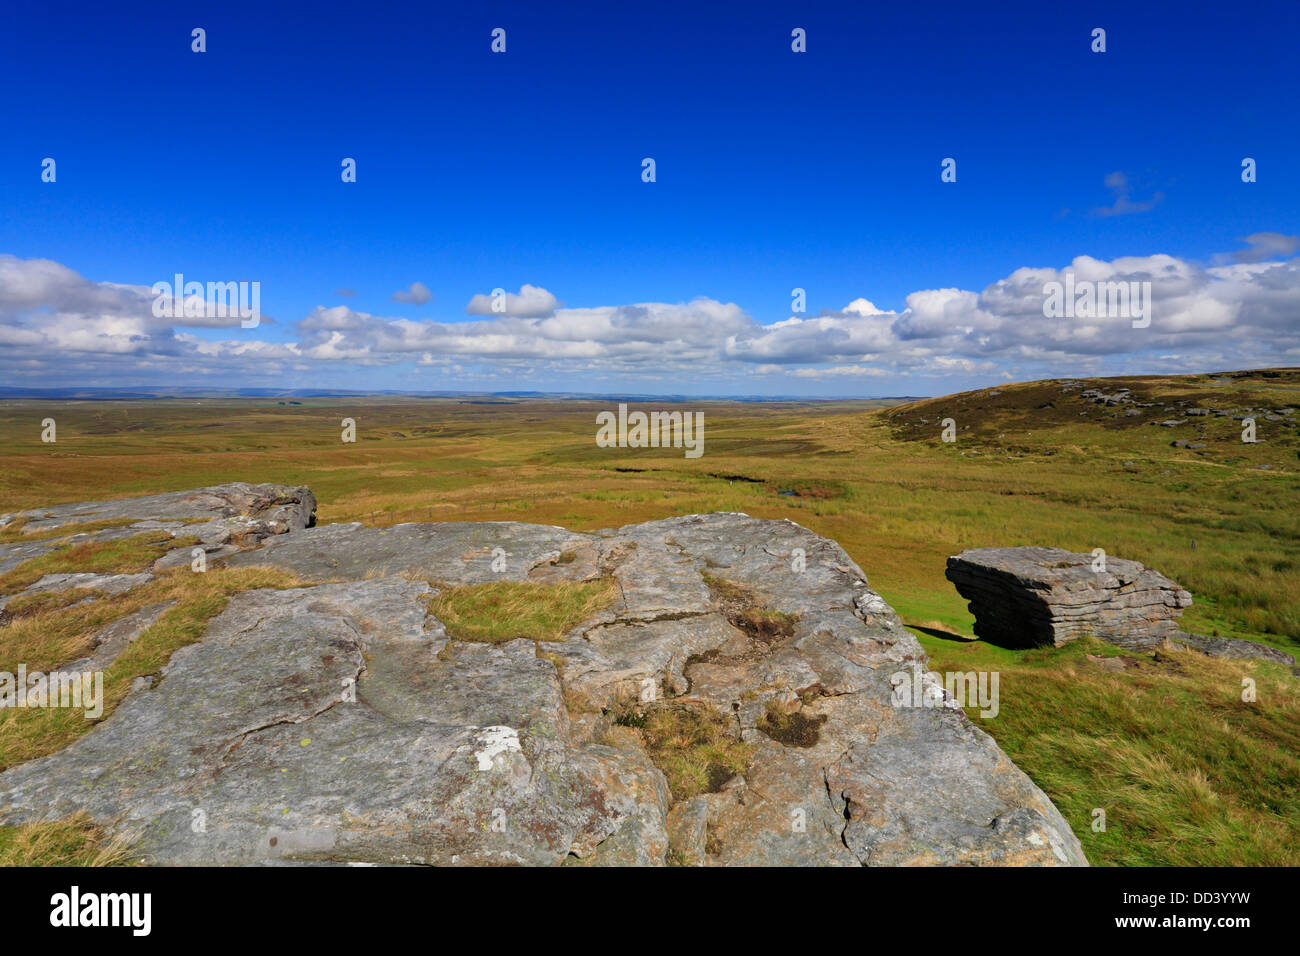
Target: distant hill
1205,413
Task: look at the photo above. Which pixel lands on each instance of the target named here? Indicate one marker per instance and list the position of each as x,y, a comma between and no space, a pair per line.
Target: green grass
1188,774
502,611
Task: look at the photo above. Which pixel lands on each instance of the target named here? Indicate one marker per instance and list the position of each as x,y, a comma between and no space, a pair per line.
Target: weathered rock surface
1231,648
1023,597
338,723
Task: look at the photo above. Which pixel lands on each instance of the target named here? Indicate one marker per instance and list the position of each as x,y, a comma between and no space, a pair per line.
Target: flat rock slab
1029,596
454,552
270,739
338,723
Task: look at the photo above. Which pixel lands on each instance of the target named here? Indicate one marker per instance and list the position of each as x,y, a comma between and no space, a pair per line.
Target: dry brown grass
76,841
15,530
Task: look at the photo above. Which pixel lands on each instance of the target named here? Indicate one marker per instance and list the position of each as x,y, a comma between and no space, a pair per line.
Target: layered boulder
341,722
1029,596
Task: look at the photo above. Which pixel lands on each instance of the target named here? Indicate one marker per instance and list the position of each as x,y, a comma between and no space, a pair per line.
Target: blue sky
775,170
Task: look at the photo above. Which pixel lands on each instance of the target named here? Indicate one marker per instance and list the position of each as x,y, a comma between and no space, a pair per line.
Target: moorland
1152,468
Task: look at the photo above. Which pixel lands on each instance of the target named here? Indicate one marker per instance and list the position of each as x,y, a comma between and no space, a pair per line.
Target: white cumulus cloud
529,302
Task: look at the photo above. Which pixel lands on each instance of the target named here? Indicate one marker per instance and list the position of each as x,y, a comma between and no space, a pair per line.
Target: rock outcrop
1024,597
224,518
339,722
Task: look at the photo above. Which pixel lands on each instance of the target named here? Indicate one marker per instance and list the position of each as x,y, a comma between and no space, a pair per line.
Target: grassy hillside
1220,518
1187,772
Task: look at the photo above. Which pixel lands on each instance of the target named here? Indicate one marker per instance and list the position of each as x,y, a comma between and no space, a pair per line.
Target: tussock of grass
75,841
1188,773
45,634
765,624
794,729
692,744
502,611
47,641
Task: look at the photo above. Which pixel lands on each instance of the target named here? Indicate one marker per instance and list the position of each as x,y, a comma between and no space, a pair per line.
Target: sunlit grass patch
75,841
43,602
502,611
45,632
1188,773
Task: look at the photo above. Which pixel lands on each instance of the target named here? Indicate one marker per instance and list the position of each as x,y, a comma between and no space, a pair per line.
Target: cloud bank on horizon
58,327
